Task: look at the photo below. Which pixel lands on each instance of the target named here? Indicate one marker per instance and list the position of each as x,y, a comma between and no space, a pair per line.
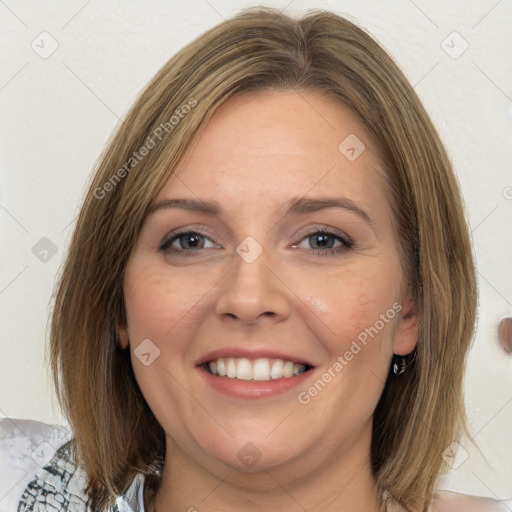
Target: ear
123,336
406,335
121,322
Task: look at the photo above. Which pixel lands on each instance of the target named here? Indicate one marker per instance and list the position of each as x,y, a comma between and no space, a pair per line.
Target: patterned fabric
39,472
57,487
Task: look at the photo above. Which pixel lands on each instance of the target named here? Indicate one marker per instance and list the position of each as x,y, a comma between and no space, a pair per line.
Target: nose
252,289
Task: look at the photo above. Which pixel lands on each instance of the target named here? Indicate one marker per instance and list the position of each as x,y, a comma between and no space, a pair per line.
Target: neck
335,482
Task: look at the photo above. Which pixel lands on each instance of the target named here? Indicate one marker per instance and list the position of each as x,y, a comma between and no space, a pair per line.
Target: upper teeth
257,369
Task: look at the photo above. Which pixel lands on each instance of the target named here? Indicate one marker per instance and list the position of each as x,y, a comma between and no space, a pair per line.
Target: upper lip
254,353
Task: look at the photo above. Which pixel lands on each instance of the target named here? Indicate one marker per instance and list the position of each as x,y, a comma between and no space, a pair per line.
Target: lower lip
252,389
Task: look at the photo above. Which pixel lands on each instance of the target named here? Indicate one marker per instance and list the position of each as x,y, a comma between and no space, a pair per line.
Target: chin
249,456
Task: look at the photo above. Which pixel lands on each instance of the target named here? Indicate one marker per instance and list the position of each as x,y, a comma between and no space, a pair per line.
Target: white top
38,474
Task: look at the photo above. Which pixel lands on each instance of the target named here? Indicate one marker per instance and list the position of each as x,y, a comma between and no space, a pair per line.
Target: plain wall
58,110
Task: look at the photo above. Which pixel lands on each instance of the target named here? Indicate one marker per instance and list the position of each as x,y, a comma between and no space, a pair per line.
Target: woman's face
278,275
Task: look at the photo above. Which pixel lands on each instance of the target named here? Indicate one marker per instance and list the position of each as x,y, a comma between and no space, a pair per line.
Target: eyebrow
297,205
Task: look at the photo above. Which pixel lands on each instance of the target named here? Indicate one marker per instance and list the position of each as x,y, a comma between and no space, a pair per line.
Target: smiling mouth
258,369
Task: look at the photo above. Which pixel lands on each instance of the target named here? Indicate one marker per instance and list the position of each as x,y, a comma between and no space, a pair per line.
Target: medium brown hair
419,415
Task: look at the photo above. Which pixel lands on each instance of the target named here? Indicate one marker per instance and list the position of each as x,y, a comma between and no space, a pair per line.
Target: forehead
272,145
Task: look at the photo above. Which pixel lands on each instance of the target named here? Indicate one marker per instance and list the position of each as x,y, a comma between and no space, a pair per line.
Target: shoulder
28,444
38,468
448,501
38,471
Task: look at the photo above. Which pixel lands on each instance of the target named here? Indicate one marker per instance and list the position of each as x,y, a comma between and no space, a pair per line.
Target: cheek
163,309
158,303
352,306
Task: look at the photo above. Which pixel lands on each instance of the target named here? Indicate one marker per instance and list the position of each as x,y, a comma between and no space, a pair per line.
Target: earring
401,363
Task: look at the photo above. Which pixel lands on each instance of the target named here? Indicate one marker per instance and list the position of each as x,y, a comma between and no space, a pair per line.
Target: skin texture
257,152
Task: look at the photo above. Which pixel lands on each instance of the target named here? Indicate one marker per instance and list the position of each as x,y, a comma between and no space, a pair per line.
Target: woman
270,292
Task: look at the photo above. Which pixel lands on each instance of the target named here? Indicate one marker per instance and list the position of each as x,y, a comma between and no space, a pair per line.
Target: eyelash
346,243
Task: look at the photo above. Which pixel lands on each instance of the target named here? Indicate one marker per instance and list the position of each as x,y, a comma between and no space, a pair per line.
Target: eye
186,243
323,242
